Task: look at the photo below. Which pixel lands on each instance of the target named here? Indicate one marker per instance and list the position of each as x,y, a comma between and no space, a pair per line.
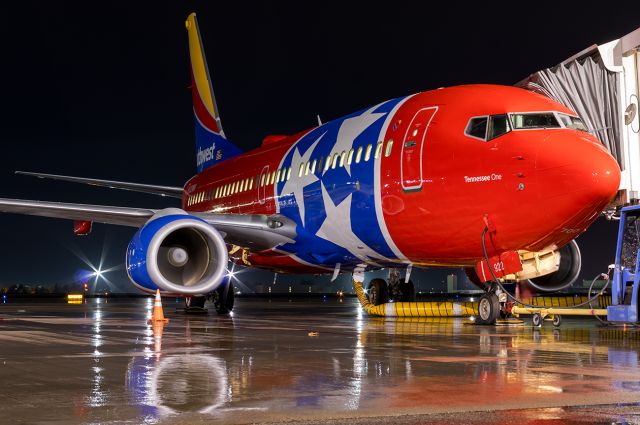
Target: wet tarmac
305,361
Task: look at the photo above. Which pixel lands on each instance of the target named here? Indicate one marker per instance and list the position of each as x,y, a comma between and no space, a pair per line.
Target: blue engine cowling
177,253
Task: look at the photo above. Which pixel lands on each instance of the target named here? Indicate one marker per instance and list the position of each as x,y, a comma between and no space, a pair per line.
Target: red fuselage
432,179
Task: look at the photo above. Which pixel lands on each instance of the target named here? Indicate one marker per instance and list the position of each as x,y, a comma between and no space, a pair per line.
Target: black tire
488,309
224,299
408,291
536,320
194,302
377,292
557,320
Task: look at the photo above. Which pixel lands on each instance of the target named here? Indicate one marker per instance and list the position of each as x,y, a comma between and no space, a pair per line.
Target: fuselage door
262,184
412,149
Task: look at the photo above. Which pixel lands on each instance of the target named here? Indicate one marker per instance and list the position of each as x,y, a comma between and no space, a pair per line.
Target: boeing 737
496,179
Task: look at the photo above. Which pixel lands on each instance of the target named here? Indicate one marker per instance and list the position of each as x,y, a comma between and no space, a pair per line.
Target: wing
254,231
171,191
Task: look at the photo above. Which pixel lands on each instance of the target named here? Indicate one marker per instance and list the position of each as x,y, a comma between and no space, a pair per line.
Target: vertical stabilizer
212,146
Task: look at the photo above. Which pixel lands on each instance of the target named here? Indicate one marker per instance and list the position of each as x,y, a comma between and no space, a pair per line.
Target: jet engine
552,270
177,253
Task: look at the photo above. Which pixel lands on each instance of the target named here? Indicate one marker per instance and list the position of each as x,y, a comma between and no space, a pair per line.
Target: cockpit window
573,123
498,125
534,120
488,128
477,127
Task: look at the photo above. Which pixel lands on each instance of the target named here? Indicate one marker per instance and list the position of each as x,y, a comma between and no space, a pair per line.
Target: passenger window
358,155
498,125
387,151
350,157
251,183
262,180
273,176
477,127
306,169
367,154
241,185
335,161
313,166
289,173
278,175
378,150
343,155
327,164
300,171
320,164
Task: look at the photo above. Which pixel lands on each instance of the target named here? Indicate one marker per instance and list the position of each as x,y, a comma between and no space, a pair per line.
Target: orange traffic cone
158,314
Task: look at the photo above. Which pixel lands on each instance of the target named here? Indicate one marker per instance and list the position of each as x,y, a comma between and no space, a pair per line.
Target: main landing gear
222,297
394,289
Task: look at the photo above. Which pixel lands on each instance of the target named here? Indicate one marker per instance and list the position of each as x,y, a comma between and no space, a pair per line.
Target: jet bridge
602,84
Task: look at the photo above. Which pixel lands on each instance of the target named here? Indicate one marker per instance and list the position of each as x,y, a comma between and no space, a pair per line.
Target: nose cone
579,169
577,177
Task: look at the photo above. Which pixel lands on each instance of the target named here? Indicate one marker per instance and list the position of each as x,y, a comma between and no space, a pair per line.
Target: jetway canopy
602,83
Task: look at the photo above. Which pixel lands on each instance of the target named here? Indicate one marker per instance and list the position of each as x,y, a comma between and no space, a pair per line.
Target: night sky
101,90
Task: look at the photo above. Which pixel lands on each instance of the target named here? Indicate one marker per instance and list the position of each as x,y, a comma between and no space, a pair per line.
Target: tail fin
211,144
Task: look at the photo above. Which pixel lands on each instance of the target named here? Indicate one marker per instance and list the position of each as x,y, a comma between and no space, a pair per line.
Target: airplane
496,179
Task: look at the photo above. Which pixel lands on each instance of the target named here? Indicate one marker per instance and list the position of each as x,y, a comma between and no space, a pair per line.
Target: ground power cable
514,299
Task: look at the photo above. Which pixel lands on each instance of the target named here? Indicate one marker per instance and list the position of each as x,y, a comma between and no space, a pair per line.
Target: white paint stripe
457,309
377,187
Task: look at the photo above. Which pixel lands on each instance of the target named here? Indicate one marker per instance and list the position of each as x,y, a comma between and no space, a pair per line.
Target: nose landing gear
488,309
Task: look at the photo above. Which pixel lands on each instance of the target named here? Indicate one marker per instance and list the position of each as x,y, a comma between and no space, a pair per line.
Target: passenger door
412,147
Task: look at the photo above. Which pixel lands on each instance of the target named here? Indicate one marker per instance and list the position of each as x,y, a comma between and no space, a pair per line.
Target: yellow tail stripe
199,65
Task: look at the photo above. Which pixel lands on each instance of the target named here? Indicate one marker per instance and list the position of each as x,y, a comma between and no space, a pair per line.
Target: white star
297,184
352,128
336,228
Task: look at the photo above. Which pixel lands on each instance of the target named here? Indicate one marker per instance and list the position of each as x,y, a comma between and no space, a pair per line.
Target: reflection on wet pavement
100,362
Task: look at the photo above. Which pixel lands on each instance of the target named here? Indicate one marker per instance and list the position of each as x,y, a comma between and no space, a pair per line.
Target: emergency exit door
411,171
262,184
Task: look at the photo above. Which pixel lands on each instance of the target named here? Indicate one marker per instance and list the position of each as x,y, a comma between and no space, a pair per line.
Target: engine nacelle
553,270
177,253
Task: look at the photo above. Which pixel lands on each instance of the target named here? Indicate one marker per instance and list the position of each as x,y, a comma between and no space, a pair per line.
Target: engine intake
567,265
177,253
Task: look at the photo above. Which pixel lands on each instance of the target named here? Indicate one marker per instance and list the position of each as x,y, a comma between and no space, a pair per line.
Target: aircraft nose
579,168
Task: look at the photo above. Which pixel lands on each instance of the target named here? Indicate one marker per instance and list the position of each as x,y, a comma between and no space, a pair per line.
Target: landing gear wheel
224,299
536,320
408,291
488,309
557,320
377,292
194,304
